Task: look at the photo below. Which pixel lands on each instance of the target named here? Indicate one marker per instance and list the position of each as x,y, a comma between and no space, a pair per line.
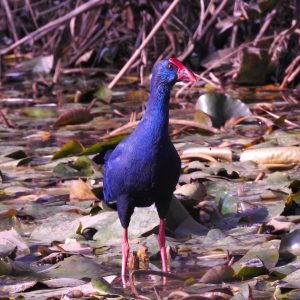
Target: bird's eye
170,67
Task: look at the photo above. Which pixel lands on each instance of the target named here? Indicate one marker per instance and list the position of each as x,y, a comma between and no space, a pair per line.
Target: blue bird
144,168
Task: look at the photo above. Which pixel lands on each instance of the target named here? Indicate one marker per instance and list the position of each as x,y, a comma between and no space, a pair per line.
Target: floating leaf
102,286
292,280
191,193
84,165
71,148
73,116
214,235
221,107
80,191
226,203
104,93
65,170
39,112
290,245
271,155
257,261
202,118
218,274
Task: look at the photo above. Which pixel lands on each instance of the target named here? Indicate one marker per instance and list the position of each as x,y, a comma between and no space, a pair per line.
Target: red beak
183,74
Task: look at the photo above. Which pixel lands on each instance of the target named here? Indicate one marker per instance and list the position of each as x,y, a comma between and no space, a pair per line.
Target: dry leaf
80,191
278,155
216,152
218,274
73,116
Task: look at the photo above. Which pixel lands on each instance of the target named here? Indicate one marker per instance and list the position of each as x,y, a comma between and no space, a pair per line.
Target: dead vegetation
242,42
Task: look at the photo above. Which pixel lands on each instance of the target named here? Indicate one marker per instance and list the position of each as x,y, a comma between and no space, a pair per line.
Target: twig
5,120
282,35
235,27
265,26
145,42
85,70
28,6
10,19
234,52
290,72
205,29
93,39
57,71
37,34
294,125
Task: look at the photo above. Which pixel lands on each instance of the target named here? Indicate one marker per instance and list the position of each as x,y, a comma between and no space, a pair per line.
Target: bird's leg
162,245
125,252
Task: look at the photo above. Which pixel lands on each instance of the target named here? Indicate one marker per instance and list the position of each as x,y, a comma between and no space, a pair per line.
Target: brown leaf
73,116
218,274
80,191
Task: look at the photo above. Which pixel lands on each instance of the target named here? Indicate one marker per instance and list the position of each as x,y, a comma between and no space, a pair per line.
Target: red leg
125,252
162,245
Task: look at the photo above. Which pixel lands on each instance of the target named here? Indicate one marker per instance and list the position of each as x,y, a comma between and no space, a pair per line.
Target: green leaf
39,112
71,148
258,260
64,170
104,93
103,146
102,286
84,166
226,203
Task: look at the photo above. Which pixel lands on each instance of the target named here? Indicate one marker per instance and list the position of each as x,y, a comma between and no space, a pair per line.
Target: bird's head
168,71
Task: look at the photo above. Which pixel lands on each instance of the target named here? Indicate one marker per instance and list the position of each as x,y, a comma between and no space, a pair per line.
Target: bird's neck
156,116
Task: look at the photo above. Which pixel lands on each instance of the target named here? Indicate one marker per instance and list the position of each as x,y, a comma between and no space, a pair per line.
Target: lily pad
221,107
290,245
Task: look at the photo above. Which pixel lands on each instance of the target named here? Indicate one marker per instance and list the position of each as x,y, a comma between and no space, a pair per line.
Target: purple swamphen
144,168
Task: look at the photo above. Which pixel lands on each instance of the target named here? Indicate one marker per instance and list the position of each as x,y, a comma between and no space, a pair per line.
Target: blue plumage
144,168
